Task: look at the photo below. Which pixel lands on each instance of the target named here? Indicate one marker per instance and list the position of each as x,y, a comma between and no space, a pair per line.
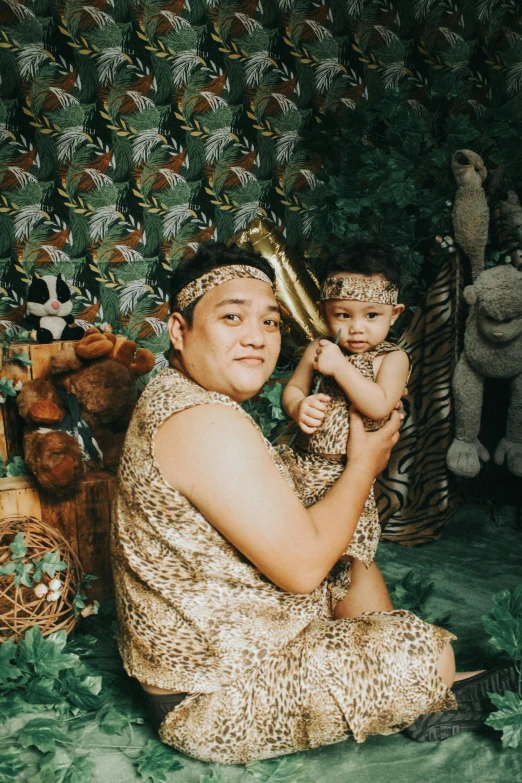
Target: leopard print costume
267,672
316,461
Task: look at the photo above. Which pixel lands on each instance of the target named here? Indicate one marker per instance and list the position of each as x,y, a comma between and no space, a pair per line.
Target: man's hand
373,447
328,358
312,411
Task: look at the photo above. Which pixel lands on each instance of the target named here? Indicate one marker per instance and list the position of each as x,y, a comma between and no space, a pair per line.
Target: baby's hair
364,258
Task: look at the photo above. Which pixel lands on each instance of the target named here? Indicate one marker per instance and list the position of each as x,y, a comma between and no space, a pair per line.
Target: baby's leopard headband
363,289
217,276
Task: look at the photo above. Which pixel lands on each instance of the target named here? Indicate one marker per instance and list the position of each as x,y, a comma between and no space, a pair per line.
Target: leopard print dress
267,672
316,461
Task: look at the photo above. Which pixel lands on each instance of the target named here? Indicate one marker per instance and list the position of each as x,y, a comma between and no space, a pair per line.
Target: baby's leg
367,593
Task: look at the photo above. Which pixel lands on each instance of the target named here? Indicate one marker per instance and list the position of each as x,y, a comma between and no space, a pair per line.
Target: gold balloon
297,289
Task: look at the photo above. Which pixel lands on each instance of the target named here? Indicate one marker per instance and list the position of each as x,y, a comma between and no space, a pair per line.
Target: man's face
234,342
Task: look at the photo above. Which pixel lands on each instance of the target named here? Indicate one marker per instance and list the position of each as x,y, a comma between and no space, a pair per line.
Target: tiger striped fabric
416,495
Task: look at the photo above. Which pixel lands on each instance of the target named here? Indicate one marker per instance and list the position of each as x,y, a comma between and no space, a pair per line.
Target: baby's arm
307,410
376,399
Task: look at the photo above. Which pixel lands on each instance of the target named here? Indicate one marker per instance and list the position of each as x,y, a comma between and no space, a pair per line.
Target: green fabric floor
476,557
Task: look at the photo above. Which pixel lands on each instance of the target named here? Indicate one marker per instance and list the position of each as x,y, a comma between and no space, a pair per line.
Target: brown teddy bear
79,417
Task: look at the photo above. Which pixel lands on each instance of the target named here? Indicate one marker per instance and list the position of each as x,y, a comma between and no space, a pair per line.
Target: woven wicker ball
20,608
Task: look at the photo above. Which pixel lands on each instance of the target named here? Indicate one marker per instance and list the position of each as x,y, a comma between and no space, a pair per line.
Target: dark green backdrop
132,131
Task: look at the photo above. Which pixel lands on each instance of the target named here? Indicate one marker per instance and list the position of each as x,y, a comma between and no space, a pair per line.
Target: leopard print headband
221,274
362,289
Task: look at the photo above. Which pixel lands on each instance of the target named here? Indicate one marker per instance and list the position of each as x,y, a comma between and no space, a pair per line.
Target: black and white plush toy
49,310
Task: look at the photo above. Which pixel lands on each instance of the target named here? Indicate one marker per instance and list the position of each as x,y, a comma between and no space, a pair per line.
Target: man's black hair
364,258
211,255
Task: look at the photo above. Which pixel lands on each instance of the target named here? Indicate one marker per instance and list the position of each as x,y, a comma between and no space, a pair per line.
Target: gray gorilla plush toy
492,349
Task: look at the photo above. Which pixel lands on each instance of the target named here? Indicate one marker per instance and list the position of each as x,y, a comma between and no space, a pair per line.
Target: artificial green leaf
273,394
120,716
507,718
8,669
287,768
49,564
114,722
7,389
21,358
503,622
46,772
23,574
42,690
45,654
12,703
18,547
411,592
11,765
76,770
84,691
16,467
84,645
43,733
216,775
86,581
156,761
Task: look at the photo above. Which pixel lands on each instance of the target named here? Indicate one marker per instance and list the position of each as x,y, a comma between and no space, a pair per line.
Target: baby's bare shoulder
394,361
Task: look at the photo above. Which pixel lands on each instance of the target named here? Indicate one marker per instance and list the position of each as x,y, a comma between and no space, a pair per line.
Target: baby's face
363,325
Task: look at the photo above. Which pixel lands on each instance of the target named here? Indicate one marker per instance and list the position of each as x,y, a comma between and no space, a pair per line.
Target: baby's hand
328,358
312,411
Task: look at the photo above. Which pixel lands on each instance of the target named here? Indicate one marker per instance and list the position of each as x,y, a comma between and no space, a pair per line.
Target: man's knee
446,665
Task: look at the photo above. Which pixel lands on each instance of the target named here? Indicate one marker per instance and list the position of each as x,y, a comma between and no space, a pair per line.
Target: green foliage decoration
503,623
412,592
66,690
8,388
15,466
29,573
155,761
131,134
283,770
267,410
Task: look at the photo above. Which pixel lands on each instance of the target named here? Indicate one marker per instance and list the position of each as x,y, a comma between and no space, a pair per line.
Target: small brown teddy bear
80,418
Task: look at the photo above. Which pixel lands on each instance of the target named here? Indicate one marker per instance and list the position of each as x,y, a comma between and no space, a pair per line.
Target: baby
360,301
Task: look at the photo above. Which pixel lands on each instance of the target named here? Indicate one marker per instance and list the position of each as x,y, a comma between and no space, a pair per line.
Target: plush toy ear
94,346
470,295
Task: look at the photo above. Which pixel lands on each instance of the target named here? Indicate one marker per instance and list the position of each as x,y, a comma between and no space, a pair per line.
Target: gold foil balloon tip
297,289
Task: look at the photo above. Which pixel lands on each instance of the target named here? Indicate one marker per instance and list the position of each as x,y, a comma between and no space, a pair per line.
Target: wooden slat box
84,519
10,422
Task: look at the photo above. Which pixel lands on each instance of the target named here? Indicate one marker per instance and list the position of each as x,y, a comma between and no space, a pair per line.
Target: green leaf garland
507,718
503,622
156,761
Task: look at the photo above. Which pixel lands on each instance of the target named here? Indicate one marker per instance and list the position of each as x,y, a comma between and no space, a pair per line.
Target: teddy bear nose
498,334
55,305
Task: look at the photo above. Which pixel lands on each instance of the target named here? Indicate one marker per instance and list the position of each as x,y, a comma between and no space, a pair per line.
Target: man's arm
214,457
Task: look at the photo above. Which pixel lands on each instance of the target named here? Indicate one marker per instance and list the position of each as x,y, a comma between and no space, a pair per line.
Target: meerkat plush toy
49,309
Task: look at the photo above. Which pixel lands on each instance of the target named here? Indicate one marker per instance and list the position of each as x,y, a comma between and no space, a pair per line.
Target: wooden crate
84,519
10,422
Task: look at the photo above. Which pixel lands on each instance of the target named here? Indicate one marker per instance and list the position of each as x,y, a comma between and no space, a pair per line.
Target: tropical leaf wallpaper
132,131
